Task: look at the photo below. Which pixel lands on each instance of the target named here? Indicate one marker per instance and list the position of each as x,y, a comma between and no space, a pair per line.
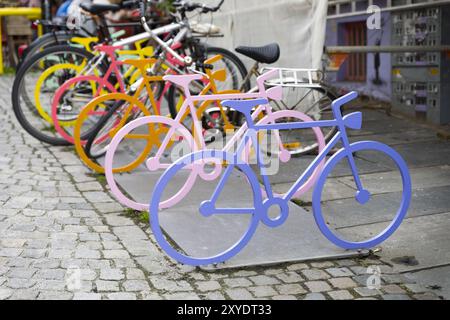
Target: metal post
386,49
1,48
46,8
31,13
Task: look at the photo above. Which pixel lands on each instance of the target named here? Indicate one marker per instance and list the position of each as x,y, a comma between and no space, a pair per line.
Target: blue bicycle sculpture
263,202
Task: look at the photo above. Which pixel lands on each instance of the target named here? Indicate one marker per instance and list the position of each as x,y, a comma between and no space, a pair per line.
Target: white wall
297,25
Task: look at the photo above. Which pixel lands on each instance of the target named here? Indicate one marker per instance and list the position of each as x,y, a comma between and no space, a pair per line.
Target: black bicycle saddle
267,54
97,9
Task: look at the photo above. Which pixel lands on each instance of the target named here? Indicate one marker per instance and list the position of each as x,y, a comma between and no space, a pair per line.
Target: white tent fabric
298,26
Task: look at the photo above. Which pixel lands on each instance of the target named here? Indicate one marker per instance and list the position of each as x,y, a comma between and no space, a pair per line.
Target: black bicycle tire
215,50
332,96
98,127
45,42
15,95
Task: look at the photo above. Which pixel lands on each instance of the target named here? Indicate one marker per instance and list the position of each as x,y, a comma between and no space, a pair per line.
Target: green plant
166,6
9,71
100,178
130,212
302,203
144,217
137,215
49,129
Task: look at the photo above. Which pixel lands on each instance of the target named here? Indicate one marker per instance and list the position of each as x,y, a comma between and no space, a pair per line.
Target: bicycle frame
188,106
109,51
139,38
155,33
149,76
176,129
113,67
135,93
353,121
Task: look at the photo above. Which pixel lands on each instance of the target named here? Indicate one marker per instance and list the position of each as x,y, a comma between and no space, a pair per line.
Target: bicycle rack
298,240
295,78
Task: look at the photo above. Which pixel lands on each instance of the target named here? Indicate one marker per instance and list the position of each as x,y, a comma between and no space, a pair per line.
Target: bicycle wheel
47,40
314,102
235,68
148,134
236,73
102,118
213,117
71,98
35,85
362,220
103,131
118,112
203,244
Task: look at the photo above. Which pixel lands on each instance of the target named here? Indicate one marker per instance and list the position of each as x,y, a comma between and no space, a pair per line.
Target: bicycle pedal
65,107
292,145
213,136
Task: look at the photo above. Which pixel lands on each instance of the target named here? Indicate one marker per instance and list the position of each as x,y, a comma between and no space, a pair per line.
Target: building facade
416,83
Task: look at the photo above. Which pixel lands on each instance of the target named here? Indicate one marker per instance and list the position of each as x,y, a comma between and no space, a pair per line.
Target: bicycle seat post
338,103
110,51
337,112
183,81
245,107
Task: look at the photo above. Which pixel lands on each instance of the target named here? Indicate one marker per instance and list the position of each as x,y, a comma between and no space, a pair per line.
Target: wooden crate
18,26
8,3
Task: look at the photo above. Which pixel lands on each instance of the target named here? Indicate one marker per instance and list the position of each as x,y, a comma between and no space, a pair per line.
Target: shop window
356,35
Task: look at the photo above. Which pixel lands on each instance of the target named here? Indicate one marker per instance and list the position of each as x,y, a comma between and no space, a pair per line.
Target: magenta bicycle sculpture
75,91
259,211
64,99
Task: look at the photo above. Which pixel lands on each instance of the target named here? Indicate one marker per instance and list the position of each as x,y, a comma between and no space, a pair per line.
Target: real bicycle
177,34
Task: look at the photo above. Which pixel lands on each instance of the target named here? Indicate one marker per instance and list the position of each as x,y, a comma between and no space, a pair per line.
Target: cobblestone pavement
62,236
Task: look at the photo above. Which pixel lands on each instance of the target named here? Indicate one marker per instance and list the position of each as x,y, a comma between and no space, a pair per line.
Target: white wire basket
295,78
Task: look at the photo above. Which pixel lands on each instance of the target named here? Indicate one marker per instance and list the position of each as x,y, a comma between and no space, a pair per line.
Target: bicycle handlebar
143,5
192,6
181,6
142,8
216,8
186,6
130,4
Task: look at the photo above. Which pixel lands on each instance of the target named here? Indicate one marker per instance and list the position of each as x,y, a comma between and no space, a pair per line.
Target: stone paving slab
372,115
334,190
297,240
421,154
385,125
430,185
393,139
430,237
384,206
437,279
54,228
386,182
291,171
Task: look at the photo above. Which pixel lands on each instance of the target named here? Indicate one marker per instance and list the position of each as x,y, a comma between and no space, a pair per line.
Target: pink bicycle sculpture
176,132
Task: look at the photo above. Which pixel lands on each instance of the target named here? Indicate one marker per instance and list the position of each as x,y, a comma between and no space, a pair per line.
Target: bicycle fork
362,195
